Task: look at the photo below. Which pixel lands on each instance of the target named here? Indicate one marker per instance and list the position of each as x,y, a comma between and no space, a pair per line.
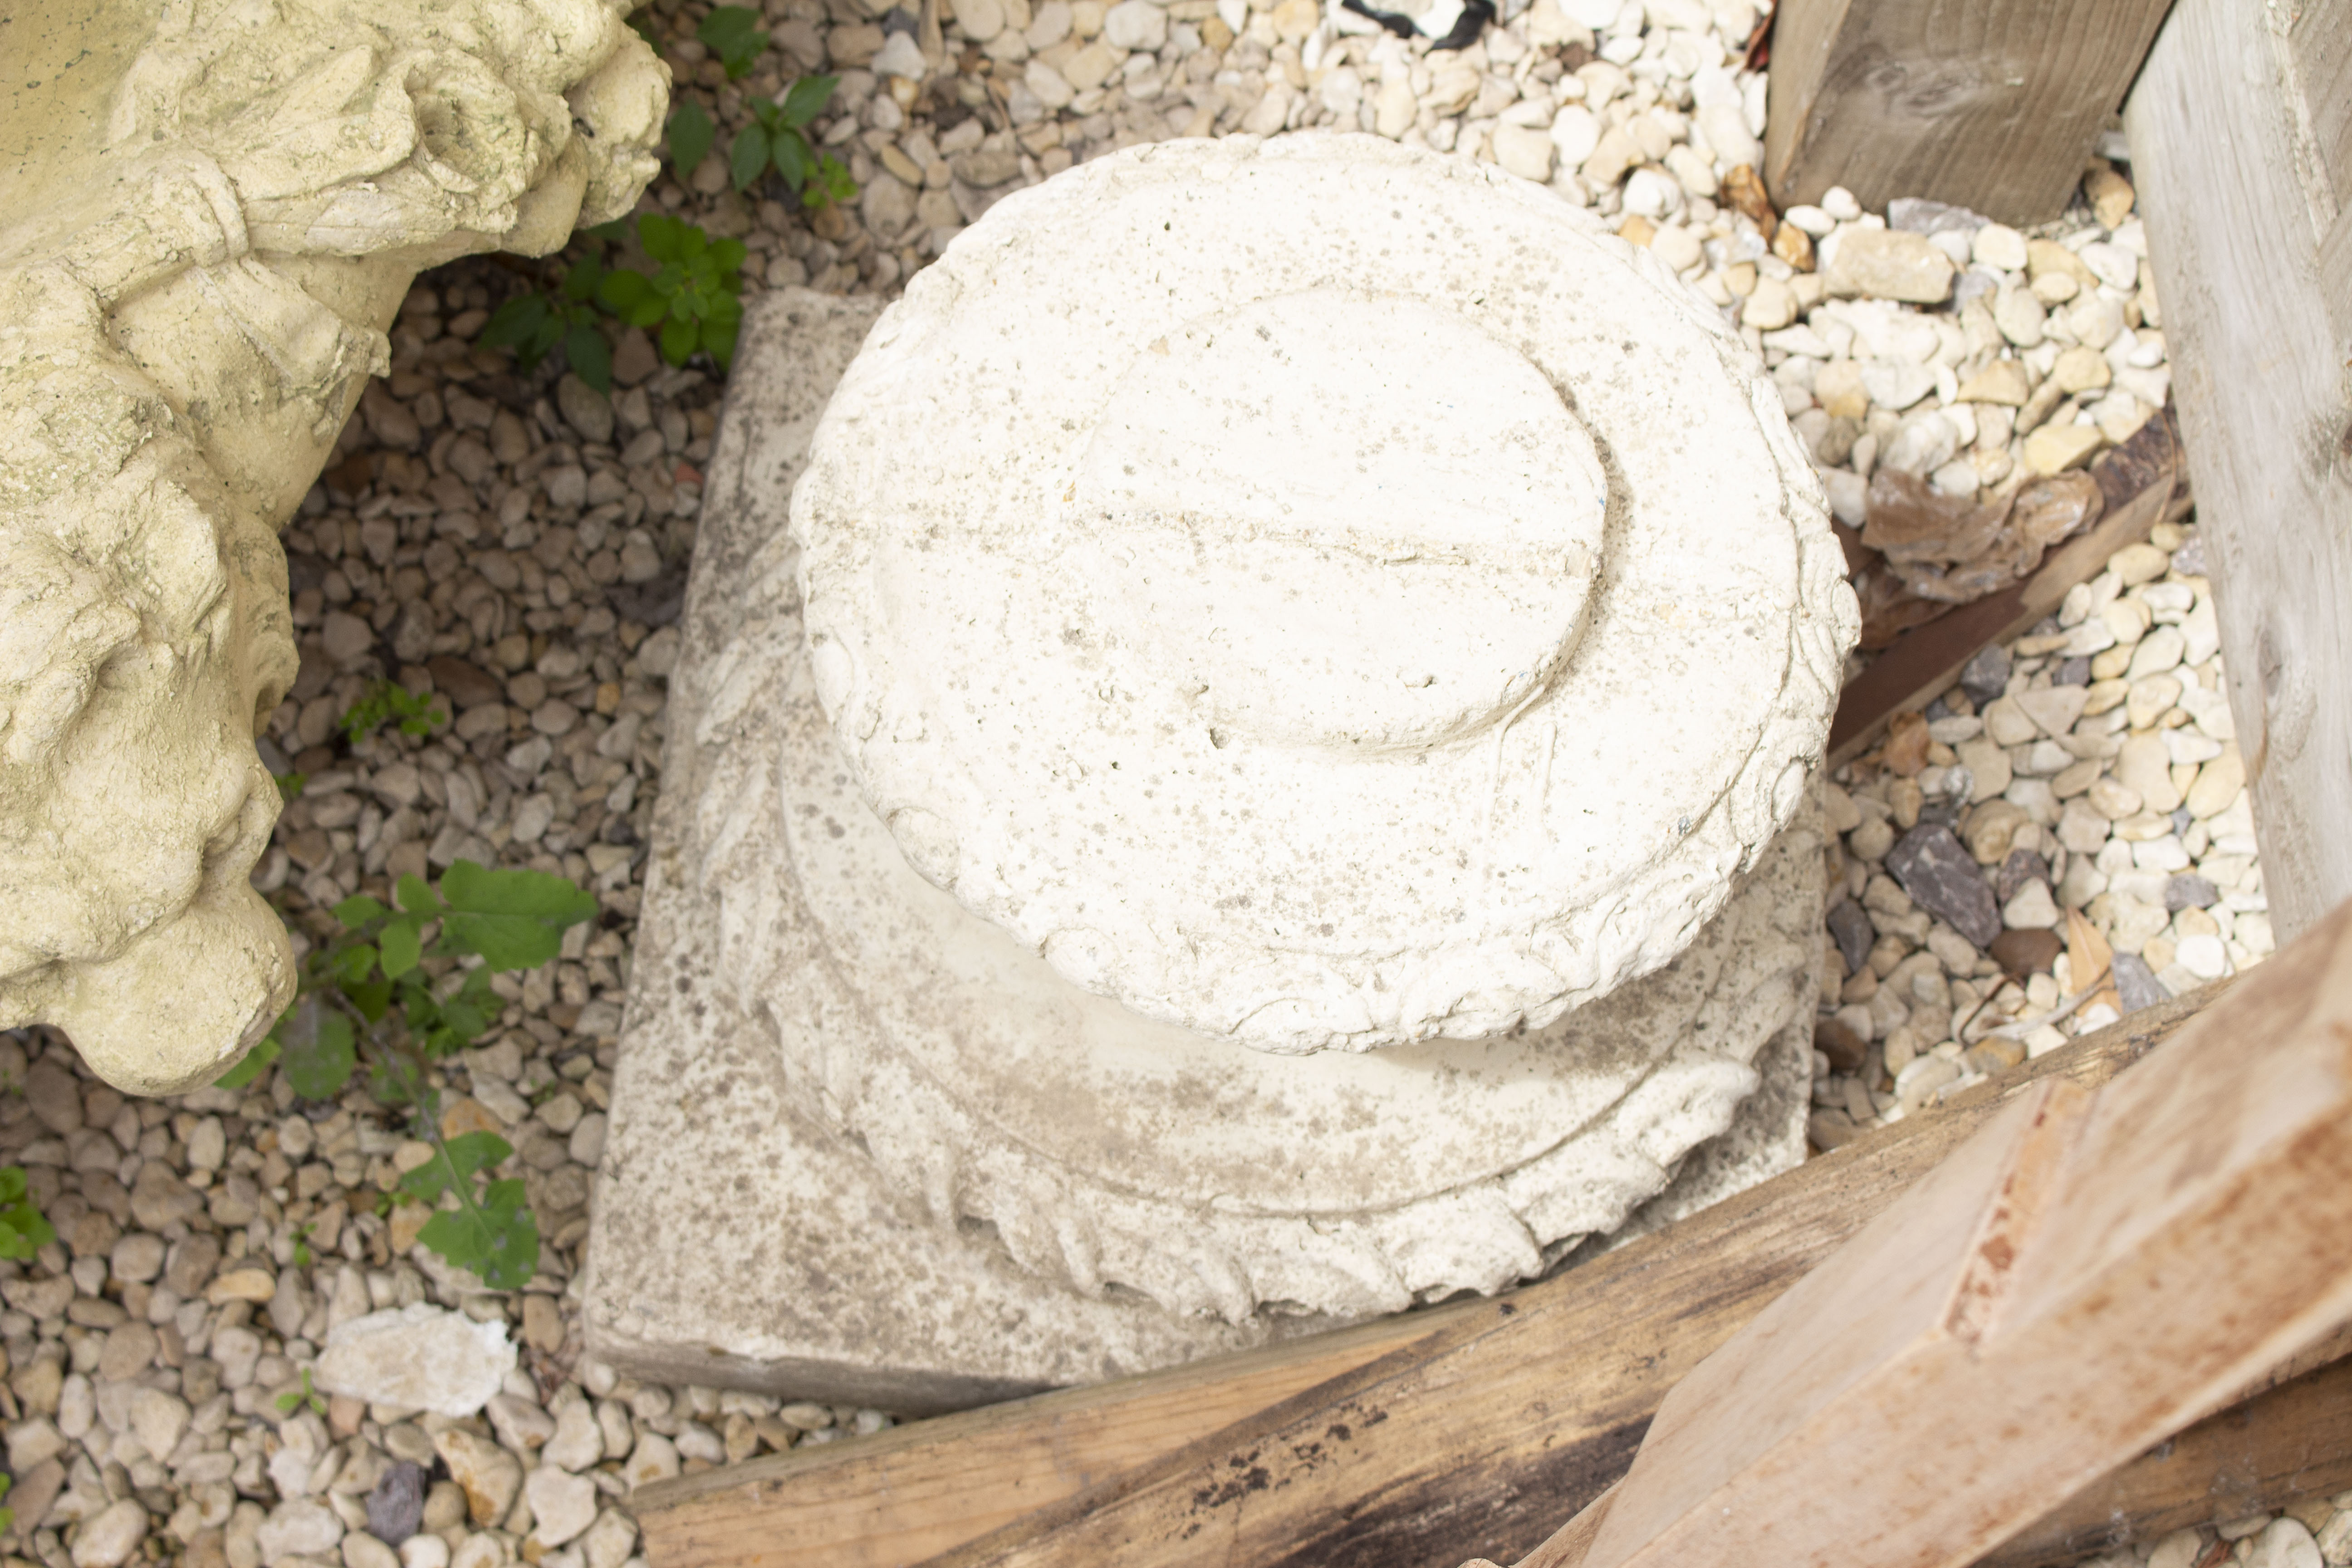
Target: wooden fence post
2242,142
1993,105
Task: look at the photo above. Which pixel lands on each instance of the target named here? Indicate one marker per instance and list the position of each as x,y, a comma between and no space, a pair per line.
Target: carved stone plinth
879,1134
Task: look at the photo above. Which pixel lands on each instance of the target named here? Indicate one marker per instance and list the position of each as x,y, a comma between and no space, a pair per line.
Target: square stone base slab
736,1243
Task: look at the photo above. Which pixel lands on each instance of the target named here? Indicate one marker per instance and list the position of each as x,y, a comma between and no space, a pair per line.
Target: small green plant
776,139
382,992
733,34
533,324
289,785
23,1231
294,1398
387,700
7,1515
691,302
302,1257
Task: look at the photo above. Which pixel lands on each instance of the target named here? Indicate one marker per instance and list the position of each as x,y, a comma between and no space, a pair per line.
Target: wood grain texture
2142,482
907,1494
1478,1440
2258,329
2086,1275
1994,105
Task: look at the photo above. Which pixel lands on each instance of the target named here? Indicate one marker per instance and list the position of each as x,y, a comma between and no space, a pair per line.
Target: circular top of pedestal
1317,593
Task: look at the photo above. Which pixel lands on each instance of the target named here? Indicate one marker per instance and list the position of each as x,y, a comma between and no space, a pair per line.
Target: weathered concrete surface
208,214
1320,594
743,1236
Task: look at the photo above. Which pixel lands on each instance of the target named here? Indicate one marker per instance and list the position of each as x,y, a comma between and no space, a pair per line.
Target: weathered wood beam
2086,1275
2242,142
1994,105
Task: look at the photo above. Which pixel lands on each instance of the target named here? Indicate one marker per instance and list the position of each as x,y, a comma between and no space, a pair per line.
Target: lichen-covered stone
207,228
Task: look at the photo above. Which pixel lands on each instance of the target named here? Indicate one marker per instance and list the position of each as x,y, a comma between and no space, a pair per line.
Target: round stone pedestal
1318,597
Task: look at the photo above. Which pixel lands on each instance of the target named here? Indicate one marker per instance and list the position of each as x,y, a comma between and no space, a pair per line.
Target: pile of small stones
2089,767
516,544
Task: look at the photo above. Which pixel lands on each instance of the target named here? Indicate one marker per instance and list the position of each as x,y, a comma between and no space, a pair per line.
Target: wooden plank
1994,105
2282,1446
910,1493
2143,483
2258,326
2088,1274
1615,1333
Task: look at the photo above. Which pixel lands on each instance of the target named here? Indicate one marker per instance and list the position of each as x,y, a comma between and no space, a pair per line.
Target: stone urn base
792,1201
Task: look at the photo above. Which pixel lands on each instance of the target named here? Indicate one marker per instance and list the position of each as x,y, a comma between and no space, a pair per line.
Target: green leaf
514,919
512,323
624,290
352,965
729,254
663,236
417,896
690,136
580,278
678,341
748,159
253,1064
793,160
358,909
733,34
385,699
805,98
23,1231
400,947
372,999
319,1055
591,357
454,1162
838,186
719,339
497,1239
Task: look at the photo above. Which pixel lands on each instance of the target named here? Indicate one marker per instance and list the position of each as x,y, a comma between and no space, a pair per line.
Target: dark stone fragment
2189,561
2187,892
465,683
1841,1044
1854,934
655,603
2072,673
2136,984
304,572
2024,953
395,1508
2023,866
2181,819
1942,878
1987,675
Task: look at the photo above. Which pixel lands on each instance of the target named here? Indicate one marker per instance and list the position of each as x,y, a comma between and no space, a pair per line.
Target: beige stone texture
807,1189
1379,628
212,212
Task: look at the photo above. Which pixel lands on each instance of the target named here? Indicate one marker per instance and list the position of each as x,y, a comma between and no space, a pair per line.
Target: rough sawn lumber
1994,105
2084,1276
2242,138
